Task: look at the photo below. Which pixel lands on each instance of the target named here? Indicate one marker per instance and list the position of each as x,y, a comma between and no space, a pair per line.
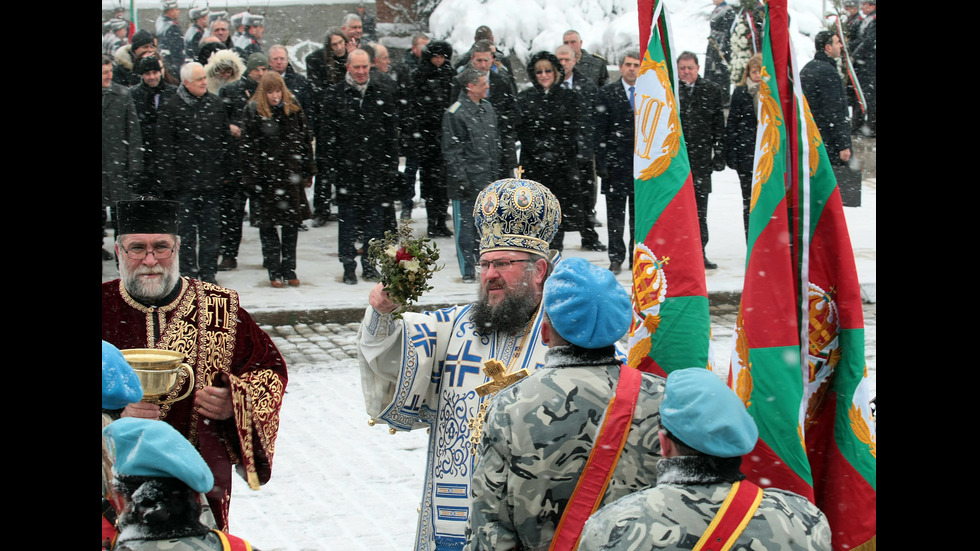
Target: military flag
798,358
671,326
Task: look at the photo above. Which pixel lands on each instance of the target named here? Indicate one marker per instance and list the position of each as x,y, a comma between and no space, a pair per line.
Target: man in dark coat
865,55
124,73
703,121
719,52
404,70
149,96
824,91
195,153
122,156
429,95
235,96
614,157
297,83
592,66
583,218
171,39
325,67
358,151
471,146
502,96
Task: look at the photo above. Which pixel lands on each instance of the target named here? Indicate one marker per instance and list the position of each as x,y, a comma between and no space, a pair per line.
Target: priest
232,417
439,370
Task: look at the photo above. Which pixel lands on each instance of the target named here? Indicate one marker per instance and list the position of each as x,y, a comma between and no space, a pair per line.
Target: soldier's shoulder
454,107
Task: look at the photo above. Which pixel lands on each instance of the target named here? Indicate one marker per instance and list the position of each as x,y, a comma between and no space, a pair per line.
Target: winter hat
142,38
437,47
255,61
706,415
516,215
147,64
144,447
197,13
117,24
236,20
216,15
252,20
586,305
146,216
168,5
120,386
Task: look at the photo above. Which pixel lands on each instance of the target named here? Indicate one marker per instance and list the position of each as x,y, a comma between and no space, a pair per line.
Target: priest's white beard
150,290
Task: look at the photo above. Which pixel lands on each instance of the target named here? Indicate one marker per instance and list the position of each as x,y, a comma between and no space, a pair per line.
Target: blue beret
143,447
120,387
706,415
586,304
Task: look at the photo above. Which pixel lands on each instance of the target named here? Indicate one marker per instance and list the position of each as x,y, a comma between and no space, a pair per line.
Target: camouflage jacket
677,512
537,438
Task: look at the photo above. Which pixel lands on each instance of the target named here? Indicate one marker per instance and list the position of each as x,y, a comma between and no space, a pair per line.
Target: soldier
704,433
592,66
250,41
471,147
539,435
195,31
170,37
159,476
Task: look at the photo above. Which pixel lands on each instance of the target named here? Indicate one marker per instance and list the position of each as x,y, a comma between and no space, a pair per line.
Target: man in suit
703,120
614,156
581,216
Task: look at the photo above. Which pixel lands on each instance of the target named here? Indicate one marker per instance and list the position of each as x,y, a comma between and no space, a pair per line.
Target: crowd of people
210,119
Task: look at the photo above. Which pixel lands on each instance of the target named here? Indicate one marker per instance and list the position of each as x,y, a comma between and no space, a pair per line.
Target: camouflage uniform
677,512
536,442
421,372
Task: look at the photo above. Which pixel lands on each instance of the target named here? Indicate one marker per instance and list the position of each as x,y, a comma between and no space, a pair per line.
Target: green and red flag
671,326
798,352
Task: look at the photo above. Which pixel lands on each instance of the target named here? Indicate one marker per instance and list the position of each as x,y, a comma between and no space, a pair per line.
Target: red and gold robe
216,336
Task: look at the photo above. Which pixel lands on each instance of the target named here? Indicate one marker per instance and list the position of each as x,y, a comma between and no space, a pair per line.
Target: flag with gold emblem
798,352
671,326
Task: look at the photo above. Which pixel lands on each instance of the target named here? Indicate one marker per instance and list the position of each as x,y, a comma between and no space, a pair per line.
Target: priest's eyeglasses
139,252
501,265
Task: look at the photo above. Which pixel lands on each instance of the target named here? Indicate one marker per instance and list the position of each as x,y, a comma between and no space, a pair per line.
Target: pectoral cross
496,371
501,380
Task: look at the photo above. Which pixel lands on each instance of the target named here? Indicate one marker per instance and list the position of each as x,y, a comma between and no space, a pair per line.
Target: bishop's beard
511,315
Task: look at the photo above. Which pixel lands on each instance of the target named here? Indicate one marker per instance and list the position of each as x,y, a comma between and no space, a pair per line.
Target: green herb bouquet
406,264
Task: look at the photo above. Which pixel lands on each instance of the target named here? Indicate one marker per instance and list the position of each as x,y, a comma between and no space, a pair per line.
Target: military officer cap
196,13
251,20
